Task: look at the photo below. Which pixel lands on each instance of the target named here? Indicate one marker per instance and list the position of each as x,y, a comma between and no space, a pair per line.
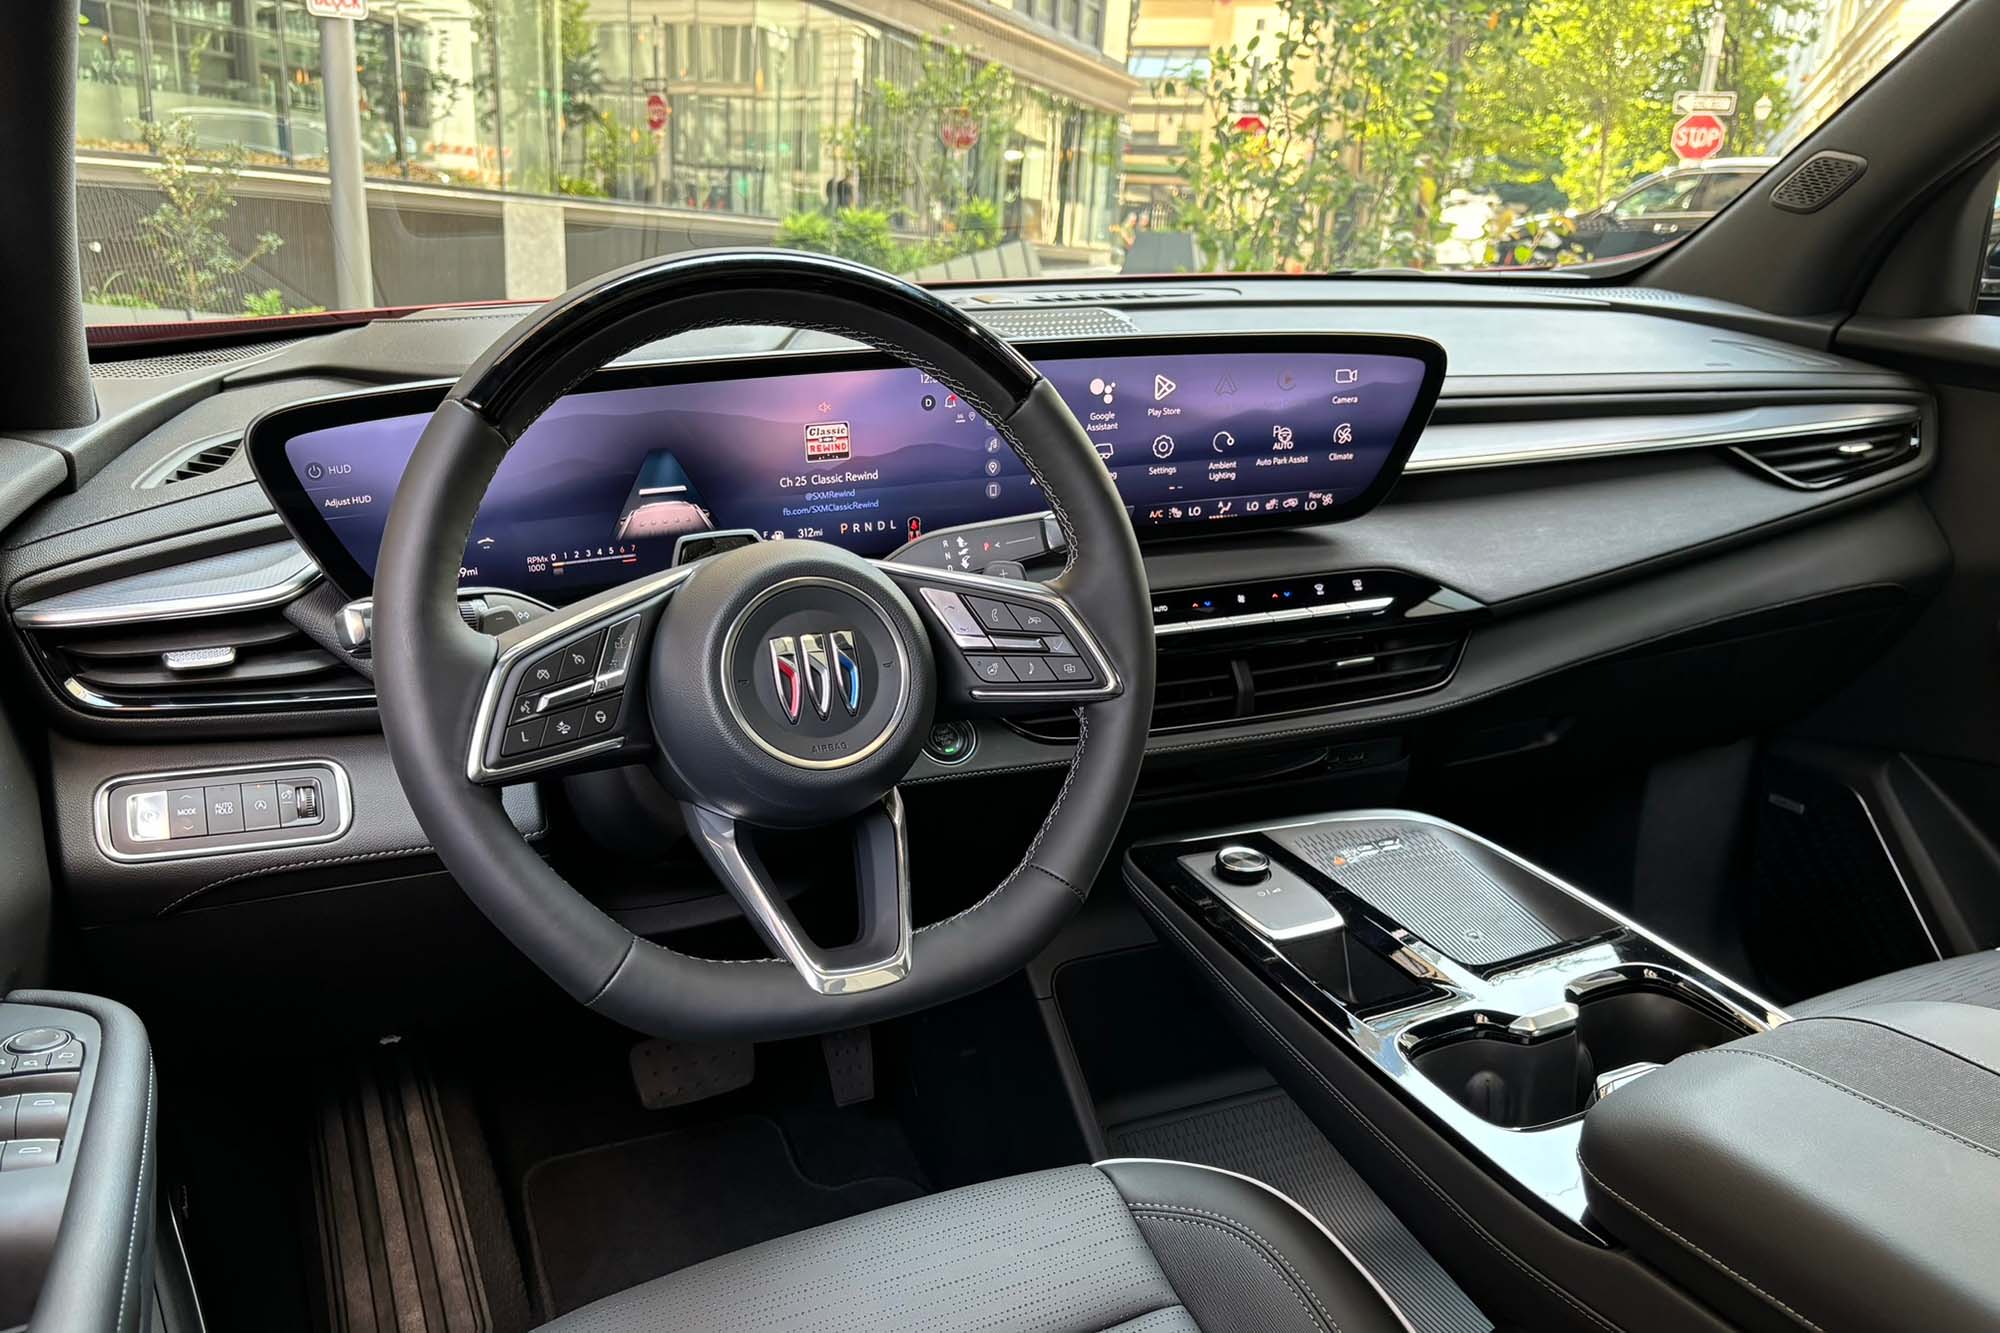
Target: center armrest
1837,1172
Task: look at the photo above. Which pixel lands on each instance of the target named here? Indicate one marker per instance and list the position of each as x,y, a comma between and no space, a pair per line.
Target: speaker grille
1817,181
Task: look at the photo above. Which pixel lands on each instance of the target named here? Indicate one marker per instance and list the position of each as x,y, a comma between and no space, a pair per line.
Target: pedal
677,1073
850,1065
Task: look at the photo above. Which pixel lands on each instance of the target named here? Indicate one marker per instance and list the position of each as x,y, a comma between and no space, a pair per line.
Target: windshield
265,157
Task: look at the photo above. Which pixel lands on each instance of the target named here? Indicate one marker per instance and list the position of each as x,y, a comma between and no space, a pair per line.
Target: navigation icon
1162,387
1226,386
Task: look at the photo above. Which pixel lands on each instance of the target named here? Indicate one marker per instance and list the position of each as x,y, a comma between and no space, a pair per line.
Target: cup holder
1526,1080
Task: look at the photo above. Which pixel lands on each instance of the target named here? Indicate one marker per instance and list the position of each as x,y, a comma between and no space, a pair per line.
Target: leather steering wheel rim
427,659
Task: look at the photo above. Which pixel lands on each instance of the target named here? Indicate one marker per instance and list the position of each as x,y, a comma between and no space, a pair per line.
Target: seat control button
36,1040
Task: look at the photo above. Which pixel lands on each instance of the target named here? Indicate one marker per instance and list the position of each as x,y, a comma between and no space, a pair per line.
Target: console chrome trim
83,695
717,840
343,795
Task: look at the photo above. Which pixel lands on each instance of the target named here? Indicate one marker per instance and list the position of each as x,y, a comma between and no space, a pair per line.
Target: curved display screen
598,490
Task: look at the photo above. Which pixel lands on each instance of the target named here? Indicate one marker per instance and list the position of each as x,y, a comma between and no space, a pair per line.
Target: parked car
1652,211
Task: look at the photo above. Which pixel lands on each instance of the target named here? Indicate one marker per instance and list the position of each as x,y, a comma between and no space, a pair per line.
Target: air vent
247,659
1818,181
1816,462
1262,678
191,461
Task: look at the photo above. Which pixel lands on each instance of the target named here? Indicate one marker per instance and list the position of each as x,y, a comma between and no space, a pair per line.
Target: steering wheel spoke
566,692
1005,644
879,955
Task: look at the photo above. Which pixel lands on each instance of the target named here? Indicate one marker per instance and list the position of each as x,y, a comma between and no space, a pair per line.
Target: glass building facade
753,109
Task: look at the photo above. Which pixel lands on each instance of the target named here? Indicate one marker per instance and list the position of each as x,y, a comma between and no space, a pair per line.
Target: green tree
185,232
1360,100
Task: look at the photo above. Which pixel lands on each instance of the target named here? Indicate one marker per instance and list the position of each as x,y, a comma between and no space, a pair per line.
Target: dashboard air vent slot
247,658
1817,461
203,461
1260,676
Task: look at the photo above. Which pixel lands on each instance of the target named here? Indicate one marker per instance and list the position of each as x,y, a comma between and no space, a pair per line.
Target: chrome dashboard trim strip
85,697
49,614
101,810
1551,453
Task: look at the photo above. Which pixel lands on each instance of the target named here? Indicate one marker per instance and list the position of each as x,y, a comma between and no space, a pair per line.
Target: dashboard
1198,435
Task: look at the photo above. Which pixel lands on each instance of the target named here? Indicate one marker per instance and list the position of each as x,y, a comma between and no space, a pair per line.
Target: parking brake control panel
207,812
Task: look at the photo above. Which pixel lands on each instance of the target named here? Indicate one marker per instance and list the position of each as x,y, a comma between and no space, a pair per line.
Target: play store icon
1162,386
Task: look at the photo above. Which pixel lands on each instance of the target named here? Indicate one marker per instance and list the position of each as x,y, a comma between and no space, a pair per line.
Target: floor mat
612,1217
1265,1135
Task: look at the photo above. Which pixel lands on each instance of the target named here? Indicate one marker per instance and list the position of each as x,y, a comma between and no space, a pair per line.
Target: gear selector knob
1242,865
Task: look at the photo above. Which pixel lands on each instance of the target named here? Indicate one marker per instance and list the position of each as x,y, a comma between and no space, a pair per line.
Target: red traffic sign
1697,136
656,112
1251,123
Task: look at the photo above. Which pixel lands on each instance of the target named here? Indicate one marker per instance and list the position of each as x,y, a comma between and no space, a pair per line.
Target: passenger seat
1972,978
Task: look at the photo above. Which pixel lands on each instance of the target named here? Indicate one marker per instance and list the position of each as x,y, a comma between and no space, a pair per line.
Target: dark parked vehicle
1656,210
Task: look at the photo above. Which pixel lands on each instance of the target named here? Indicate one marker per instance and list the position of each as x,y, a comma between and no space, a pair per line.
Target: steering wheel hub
792,685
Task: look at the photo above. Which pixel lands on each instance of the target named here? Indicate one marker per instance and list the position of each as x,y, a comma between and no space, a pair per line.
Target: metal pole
353,268
1711,63
396,104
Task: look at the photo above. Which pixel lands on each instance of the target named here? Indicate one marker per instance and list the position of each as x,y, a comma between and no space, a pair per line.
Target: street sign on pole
656,112
337,9
1688,103
1698,136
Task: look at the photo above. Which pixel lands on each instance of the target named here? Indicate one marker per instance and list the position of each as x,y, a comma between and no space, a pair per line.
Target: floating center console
1496,1000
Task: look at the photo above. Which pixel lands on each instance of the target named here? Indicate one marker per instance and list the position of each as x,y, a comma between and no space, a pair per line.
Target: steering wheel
785,684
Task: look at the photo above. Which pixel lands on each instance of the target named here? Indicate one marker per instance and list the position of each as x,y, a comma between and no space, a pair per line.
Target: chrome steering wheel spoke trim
880,955
616,627
962,638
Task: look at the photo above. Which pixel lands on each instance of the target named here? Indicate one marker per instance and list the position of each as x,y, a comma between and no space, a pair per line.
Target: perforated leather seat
1136,1246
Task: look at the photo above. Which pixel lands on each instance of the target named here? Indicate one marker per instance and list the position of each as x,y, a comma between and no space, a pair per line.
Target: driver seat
1126,1246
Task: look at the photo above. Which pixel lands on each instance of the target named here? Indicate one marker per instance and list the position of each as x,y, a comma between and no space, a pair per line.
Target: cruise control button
601,716
542,674
996,617
1036,622
564,727
1073,670
523,736
225,808
1020,643
580,658
993,669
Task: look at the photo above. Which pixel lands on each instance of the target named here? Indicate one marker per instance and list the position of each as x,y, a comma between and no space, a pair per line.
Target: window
1672,195
1150,64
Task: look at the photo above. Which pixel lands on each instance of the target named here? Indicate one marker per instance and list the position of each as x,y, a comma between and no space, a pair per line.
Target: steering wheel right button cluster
1012,645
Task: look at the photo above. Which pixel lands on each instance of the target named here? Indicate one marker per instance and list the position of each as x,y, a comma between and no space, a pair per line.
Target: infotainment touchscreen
598,489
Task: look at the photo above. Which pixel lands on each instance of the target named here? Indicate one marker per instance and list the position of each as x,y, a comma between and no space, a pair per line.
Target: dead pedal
850,1065
677,1073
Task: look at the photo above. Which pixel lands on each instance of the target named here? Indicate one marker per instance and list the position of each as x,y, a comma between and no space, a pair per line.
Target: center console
1434,993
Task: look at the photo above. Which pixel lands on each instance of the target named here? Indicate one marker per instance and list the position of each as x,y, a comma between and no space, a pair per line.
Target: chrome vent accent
259,576
244,659
1259,676
1816,462
1818,181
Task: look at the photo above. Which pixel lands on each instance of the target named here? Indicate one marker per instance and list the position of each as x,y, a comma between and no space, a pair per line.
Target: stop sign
656,112
1697,136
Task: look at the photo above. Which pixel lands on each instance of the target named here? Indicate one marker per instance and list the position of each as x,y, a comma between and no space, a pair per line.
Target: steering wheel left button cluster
568,696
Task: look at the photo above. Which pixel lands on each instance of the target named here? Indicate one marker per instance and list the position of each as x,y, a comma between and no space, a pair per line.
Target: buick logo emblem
819,667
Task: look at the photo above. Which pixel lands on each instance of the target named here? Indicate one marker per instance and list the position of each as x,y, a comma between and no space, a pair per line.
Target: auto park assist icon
818,667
